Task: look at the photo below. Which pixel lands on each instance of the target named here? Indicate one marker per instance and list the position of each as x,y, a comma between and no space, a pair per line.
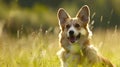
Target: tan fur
81,52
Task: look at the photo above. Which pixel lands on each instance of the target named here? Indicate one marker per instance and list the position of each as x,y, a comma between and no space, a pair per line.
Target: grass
39,50
34,51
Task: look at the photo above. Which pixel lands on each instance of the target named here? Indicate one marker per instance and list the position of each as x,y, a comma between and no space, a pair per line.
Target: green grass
38,50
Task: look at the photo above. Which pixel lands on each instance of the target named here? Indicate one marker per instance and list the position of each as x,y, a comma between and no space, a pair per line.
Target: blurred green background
25,16
29,30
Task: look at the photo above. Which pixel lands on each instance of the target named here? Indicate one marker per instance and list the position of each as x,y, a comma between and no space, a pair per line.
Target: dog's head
76,27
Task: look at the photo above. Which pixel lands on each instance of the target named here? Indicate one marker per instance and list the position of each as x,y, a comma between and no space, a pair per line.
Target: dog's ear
62,16
84,14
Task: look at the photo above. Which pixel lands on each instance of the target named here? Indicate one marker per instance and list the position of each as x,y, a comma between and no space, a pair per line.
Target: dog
74,38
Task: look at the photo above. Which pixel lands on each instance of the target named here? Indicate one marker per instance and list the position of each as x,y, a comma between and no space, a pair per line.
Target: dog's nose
71,32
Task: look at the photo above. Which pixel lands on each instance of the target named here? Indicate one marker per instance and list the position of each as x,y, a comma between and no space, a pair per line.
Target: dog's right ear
84,14
62,16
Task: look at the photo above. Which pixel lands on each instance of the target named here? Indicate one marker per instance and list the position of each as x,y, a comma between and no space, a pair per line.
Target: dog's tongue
72,39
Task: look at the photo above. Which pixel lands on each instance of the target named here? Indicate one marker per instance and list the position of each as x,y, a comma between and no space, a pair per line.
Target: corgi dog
74,38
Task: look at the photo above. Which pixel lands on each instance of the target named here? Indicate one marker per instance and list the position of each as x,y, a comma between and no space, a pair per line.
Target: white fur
72,28
76,32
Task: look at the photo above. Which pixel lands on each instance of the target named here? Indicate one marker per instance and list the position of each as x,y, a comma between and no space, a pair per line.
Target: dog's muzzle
72,38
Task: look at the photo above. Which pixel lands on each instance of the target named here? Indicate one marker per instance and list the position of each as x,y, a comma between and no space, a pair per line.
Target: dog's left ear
84,14
62,16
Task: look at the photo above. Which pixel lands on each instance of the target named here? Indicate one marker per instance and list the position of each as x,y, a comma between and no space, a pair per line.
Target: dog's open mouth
73,39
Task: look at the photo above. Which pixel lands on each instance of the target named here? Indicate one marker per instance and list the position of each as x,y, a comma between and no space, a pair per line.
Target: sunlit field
39,50
29,30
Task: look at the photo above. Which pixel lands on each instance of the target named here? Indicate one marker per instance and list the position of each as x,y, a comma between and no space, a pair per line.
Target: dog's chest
75,52
75,48
72,58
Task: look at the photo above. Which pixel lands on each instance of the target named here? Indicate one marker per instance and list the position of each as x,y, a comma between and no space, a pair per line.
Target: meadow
39,50
22,46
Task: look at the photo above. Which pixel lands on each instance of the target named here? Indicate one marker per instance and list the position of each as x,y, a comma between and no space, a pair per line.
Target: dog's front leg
61,55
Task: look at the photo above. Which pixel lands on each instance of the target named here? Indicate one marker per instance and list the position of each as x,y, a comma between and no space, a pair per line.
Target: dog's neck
83,43
80,44
77,47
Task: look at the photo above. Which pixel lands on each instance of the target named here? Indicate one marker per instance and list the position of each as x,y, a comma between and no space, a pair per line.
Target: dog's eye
77,25
68,26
